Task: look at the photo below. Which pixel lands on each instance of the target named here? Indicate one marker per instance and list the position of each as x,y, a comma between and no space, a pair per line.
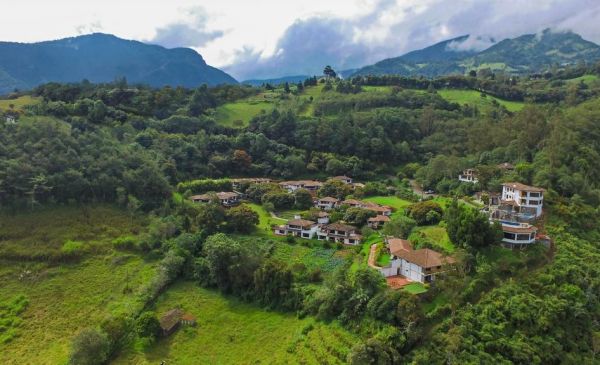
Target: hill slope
526,53
100,58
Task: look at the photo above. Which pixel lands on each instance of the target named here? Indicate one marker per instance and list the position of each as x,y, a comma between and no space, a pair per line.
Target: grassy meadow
474,98
18,103
34,235
64,298
232,332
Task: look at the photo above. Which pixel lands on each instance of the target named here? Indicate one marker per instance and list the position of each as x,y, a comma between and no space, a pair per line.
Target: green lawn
232,332
473,97
383,256
265,220
18,103
587,79
438,235
238,114
392,201
415,288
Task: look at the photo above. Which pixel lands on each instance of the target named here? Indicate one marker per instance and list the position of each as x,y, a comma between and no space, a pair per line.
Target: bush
205,185
89,347
124,243
72,248
147,325
425,212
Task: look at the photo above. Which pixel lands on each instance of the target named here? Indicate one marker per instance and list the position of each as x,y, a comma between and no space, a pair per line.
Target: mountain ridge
522,54
100,57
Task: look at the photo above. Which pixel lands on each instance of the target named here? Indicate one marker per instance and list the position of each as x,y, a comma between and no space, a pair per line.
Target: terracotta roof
170,319
322,214
188,317
341,178
352,202
377,208
379,218
398,245
425,257
339,227
300,222
518,229
328,199
522,187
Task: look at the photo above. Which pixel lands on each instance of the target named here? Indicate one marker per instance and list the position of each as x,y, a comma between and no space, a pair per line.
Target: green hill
103,58
526,53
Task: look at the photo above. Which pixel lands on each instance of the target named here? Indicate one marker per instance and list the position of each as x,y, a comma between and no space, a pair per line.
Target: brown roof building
169,322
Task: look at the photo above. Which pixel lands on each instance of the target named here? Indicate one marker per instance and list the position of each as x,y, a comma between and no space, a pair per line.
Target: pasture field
34,235
231,332
587,79
18,103
238,114
474,98
64,298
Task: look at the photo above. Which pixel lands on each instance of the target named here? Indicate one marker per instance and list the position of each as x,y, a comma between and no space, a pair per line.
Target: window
523,237
508,235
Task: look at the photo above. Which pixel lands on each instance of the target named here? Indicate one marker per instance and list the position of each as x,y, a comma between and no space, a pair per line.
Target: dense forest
138,147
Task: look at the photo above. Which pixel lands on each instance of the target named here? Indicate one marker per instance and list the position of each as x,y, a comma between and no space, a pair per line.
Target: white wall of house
528,199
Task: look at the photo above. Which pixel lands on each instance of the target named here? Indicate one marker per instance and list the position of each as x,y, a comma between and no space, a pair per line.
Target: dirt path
373,256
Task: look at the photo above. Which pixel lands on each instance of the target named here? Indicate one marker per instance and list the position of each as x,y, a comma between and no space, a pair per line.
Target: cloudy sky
269,38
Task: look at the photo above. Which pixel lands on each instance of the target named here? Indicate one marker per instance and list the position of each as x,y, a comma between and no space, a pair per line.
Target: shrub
420,212
89,347
72,248
147,325
124,243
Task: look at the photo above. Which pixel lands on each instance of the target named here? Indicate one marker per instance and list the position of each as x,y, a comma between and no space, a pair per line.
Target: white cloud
274,37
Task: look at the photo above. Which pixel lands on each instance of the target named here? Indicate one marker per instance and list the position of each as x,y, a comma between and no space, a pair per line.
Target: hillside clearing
231,332
475,98
18,103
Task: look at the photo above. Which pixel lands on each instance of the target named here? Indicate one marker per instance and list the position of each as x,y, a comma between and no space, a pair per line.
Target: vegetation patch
415,288
233,332
476,98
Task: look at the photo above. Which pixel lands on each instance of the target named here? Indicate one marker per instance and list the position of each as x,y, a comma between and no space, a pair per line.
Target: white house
377,221
226,198
323,218
297,227
310,185
518,235
338,232
327,203
420,265
344,179
529,199
469,176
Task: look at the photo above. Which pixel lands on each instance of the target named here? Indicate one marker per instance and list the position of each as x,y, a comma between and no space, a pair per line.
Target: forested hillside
528,53
102,58
103,174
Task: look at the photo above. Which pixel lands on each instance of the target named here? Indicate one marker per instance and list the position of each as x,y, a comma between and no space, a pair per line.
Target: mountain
533,52
440,58
526,53
276,81
101,58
